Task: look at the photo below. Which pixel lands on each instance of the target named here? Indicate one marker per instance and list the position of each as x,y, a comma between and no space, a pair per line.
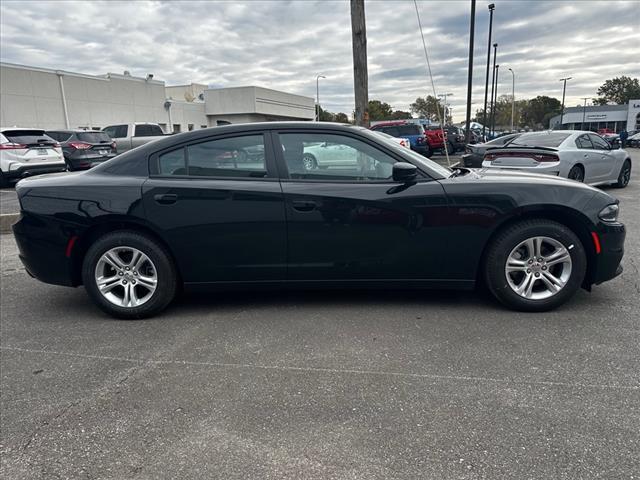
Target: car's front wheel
535,265
625,174
309,162
129,275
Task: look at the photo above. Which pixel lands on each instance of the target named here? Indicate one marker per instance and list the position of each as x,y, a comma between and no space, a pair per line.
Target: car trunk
33,146
521,157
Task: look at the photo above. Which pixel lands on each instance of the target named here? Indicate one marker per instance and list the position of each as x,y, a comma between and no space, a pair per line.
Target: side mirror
404,172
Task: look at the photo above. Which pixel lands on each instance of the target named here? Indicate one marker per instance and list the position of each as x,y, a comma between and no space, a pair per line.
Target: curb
6,220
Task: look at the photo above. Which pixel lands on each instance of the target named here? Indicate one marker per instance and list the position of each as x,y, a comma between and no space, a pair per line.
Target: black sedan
182,211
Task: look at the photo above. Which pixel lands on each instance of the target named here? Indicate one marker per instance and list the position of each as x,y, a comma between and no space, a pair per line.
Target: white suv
25,152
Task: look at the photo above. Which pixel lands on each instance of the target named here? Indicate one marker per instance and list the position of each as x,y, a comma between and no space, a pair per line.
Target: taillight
56,145
12,146
422,140
80,145
538,157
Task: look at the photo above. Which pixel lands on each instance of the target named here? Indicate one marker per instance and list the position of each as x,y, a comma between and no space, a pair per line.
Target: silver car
578,155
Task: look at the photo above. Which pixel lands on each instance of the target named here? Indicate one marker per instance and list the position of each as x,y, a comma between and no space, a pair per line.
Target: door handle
166,198
303,205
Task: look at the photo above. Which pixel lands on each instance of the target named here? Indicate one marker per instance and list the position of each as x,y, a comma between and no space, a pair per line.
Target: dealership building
595,117
53,99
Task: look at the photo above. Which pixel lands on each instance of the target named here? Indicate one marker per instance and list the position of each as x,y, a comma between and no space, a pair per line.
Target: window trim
154,158
608,147
284,171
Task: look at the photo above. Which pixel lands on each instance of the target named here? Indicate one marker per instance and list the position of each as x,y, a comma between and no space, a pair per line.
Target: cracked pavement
344,385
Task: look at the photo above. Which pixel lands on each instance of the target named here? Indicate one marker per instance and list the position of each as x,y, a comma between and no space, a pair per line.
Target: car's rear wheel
576,173
129,275
450,148
4,181
625,174
428,151
309,161
535,265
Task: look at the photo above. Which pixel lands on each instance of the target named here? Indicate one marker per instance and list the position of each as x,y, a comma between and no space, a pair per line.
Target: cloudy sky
285,44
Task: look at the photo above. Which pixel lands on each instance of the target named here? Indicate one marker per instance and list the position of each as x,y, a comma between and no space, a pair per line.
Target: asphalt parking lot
344,385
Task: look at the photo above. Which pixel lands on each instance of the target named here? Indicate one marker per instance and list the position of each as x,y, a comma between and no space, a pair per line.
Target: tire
146,298
450,148
576,173
625,174
309,162
567,264
4,181
428,151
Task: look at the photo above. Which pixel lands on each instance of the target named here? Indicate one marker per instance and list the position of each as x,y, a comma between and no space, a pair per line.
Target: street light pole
495,103
584,110
493,76
318,96
445,107
486,83
513,97
564,89
472,29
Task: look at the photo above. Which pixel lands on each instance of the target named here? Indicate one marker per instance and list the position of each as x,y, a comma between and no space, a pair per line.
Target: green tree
325,116
379,110
341,118
430,108
539,111
618,91
400,115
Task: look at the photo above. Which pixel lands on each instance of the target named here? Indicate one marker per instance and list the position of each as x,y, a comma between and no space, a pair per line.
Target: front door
219,205
350,221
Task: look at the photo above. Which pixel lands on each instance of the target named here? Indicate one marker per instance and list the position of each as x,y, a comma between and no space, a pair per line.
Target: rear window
540,139
93,137
28,137
409,130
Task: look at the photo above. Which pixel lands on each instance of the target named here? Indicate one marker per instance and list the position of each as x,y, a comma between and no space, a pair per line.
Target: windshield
540,139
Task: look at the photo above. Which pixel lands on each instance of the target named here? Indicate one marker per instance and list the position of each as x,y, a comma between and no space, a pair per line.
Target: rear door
352,221
603,160
224,218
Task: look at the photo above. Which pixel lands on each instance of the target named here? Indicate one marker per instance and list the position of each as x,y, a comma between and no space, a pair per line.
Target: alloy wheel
126,277
538,268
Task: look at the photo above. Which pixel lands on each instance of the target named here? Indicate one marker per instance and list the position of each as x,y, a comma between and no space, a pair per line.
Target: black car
182,211
474,154
455,139
84,149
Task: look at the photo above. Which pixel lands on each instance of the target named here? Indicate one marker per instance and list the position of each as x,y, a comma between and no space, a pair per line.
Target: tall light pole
584,110
486,83
564,89
493,75
318,96
360,75
445,95
472,29
495,103
513,97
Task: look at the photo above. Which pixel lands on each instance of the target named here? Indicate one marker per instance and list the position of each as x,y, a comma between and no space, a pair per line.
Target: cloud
285,44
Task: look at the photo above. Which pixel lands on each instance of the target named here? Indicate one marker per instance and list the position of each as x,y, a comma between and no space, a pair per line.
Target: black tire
428,151
508,239
309,161
450,148
4,182
576,173
625,174
165,271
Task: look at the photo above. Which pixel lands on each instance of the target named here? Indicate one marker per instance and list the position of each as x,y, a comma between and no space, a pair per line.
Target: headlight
609,213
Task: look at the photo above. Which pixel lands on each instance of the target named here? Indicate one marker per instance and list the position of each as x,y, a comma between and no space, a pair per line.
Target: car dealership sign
597,116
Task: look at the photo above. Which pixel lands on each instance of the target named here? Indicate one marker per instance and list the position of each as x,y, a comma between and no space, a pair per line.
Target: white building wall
633,118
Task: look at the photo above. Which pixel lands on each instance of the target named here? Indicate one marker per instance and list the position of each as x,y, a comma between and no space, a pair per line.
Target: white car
578,155
399,140
27,151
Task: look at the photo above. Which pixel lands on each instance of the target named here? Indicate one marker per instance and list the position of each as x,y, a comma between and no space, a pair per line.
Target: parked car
474,154
399,140
132,135
455,139
578,155
422,140
28,151
170,213
84,149
634,140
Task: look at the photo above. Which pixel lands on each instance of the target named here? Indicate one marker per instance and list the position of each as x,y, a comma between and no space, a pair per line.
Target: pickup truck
132,135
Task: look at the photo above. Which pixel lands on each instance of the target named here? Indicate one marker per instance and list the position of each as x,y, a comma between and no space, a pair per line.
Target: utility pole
486,83
493,76
584,110
564,89
360,77
445,106
495,103
472,28
513,97
318,77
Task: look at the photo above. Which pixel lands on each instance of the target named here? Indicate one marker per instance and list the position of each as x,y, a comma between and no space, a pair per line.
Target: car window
93,137
116,131
599,143
28,137
59,136
409,130
583,142
228,157
324,156
173,163
147,131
